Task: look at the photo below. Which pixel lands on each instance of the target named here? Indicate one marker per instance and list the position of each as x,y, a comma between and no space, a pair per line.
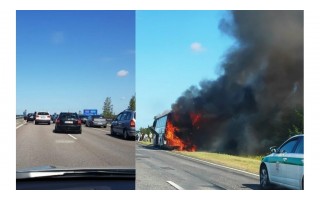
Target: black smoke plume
252,105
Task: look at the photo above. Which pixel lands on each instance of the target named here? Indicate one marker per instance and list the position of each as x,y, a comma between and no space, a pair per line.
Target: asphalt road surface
38,145
164,170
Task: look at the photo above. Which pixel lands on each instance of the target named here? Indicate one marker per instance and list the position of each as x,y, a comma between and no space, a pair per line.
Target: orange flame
174,141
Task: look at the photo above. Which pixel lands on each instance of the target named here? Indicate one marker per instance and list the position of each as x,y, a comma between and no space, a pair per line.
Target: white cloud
196,47
122,73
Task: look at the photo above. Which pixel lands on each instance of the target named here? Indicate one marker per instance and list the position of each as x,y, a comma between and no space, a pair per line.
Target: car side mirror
273,149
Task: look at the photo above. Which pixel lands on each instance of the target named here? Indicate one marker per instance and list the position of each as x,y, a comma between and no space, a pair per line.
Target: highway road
38,145
165,170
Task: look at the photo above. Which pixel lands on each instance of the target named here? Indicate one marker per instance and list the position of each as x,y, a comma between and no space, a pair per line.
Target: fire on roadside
174,141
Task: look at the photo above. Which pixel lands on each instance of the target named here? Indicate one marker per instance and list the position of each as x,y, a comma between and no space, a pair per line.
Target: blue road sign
90,111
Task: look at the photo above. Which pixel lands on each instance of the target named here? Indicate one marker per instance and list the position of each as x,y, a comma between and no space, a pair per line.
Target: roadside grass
245,163
144,142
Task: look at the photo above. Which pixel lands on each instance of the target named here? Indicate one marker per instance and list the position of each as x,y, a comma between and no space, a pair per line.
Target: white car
284,166
42,117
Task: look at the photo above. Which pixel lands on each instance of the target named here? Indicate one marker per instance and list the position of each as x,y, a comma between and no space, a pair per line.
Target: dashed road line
20,125
101,130
65,141
175,185
72,136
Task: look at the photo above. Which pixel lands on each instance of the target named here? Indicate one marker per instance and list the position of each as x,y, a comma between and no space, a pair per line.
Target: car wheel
104,126
125,134
302,183
86,125
36,123
264,178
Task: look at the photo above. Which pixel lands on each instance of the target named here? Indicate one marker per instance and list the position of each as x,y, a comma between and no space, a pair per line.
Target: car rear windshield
68,116
43,113
126,116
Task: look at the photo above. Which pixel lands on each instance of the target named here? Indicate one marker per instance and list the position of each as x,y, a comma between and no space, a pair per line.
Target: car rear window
126,116
43,113
68,116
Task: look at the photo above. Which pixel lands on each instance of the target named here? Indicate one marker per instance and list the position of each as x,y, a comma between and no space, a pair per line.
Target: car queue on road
122,125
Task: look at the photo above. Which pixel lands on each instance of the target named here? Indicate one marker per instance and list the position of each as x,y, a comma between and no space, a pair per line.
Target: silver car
42,117
96,120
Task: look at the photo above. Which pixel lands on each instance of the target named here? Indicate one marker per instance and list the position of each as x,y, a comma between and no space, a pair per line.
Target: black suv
124,124
68,122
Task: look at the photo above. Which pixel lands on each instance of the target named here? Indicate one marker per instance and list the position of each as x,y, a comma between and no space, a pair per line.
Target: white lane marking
175,185
64,141
144,149
210,163
105,131
21,125
72,136
101,130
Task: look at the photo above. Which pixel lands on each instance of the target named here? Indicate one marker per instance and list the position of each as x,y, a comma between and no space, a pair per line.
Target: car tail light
79,122
57,121
49,116
132,123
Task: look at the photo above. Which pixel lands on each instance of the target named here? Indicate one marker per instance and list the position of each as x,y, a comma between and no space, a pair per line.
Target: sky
72,60
175,50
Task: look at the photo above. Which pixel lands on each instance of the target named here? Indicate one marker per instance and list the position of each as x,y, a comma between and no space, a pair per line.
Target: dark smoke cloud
245,109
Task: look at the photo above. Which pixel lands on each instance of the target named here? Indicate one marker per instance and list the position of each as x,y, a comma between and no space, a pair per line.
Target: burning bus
167,135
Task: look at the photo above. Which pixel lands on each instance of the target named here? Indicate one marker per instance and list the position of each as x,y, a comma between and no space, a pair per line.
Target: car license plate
42,117
68,122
